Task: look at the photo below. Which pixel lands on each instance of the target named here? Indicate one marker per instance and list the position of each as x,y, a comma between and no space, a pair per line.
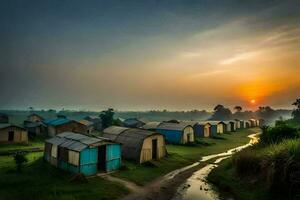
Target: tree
238,108
107,117
266,113
20,160
221,113
296,112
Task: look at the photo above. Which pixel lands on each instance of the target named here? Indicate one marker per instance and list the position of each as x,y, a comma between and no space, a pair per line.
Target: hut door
154,149
102,157
11,136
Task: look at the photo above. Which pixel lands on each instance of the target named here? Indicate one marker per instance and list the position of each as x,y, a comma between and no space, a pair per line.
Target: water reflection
196,187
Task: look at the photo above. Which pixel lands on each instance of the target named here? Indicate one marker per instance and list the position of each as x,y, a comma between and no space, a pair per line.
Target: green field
41,181
262,172
36,143
180,156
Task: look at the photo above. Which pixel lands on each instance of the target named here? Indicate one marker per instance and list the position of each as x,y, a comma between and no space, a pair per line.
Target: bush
20,160
276,165
278,133
246,163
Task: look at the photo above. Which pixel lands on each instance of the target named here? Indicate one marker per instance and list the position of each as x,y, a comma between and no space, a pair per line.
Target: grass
180,156
39,180
262,172
37,142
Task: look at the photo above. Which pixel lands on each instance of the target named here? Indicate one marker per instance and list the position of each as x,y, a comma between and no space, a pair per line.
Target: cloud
239,57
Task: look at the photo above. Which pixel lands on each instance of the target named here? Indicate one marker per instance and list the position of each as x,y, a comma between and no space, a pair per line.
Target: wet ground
196,187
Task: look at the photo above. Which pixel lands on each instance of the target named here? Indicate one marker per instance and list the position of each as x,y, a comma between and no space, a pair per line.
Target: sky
142,55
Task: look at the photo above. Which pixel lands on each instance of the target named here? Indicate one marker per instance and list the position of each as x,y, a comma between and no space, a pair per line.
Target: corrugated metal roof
151,125
56,122
75,141
34,124
203,123
115,130
191,123
215,122
3,126
56,140
131,139
172,126
85,122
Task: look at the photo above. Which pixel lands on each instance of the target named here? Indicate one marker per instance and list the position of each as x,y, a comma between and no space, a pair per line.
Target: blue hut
79,153
176,133
217,127
201,129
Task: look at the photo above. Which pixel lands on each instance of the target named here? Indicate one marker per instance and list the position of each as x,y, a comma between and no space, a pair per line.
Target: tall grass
277,165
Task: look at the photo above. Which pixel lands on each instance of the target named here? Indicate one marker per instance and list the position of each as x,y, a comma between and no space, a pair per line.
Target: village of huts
72,144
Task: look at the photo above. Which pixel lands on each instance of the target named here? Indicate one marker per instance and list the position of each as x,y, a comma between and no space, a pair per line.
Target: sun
252,101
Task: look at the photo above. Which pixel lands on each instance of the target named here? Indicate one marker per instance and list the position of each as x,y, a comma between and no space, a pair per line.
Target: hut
176,133
4,119
247,124
230,126
35,128
135,122
59,125
238,123
152,126
217,127
34,118
79,153
242,124
252,122
261,122
137,144
89,125
97,122
201,129
204,129
13,134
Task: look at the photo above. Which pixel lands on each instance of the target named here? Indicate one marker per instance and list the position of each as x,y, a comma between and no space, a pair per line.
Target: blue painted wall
171,136
113,157
214,130
199,131
88,161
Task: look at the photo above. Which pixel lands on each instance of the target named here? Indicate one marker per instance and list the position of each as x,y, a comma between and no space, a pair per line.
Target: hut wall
20,135
228,127
238,124
220,128
214,130
171,136
34,118
71,126
202,130
51,130
88,161
113,157
146,151
188,135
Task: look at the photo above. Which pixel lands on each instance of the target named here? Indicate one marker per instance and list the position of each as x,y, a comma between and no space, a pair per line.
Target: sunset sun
252,101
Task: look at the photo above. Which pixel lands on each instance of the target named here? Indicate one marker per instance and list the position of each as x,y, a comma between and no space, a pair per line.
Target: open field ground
262,172
39,180
180,156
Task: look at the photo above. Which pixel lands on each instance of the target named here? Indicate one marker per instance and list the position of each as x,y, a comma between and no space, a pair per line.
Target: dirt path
130,185
165,187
